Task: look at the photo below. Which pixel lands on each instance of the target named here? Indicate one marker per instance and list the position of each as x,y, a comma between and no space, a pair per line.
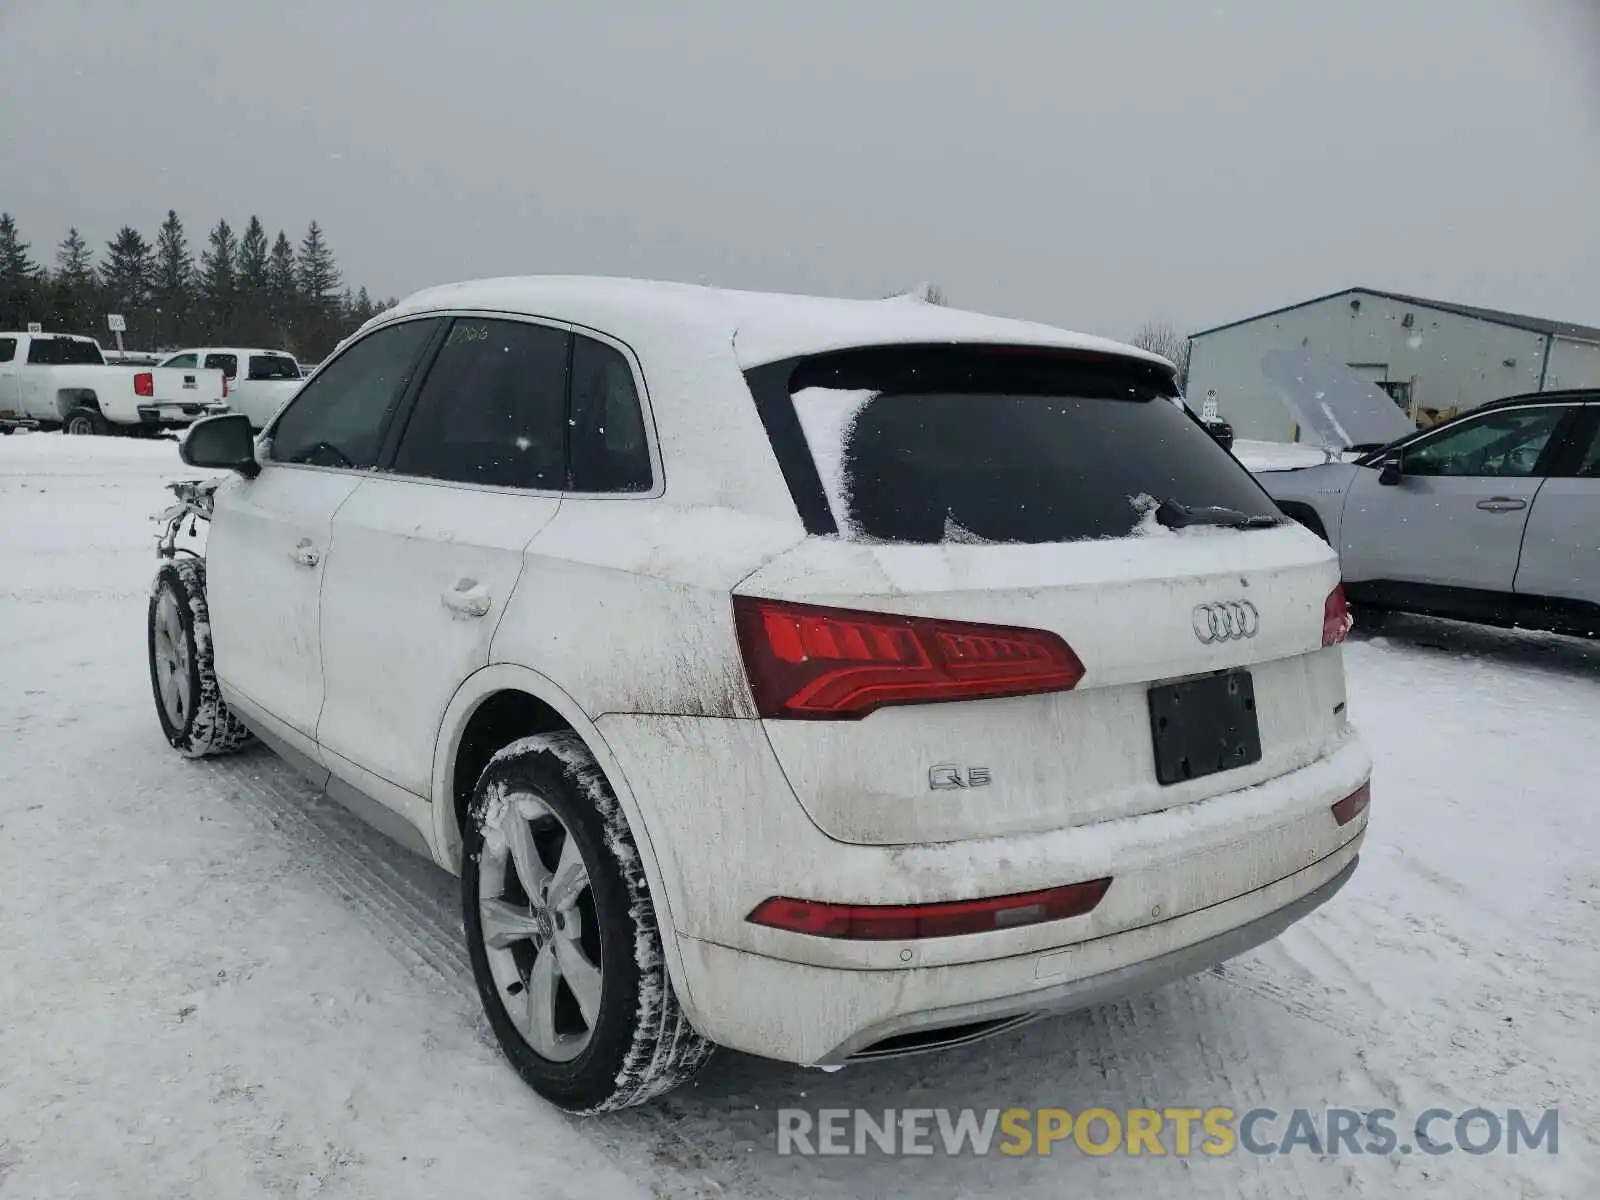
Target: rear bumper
726,832
820,1016
177,416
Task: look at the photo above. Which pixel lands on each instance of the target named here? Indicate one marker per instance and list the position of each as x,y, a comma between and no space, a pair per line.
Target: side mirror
1222,433
1389,471
223,443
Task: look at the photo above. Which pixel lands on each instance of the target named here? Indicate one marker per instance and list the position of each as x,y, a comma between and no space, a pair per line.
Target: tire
84,421
183,678
633,1043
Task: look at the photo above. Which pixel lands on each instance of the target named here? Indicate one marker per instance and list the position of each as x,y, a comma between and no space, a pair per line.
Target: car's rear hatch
969,486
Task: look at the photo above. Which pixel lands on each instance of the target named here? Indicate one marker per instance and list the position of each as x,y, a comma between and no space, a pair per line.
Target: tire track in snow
353,866
413,906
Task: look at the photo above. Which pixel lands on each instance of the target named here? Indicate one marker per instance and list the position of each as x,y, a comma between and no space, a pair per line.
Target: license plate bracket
1202,726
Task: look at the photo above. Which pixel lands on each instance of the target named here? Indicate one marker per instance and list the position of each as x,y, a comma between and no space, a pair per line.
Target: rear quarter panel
50,392
626,605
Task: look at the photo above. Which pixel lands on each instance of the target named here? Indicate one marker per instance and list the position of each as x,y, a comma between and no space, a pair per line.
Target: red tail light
820,663
902,922
224,387
1353,805
144,384
1336,620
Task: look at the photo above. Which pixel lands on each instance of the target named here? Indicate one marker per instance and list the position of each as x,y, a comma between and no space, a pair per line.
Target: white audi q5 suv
825,679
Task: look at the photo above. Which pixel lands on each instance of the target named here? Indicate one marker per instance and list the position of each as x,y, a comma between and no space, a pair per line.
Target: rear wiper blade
1173,515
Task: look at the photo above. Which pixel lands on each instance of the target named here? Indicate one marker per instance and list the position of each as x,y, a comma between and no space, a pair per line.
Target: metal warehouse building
1433,358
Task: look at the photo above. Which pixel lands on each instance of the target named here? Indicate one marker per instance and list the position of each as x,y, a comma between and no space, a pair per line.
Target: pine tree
174,291
365,310
129,273
255,323
74,262
324,322
282,290
219,281
19,278
73,297
128,280
319,276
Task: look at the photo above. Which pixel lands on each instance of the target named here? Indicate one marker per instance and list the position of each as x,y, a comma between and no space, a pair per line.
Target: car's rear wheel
84,421
182,674
562,933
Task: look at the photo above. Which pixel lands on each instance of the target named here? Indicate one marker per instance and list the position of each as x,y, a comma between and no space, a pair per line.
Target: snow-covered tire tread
665,1051
211,729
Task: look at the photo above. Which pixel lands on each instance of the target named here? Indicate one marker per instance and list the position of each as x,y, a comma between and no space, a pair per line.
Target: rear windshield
976,445
273,366
64,352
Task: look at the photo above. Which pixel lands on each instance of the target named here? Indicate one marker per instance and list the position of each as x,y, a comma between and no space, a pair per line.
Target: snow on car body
894,722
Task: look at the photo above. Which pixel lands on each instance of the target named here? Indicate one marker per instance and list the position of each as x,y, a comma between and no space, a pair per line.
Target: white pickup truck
260,382
57,381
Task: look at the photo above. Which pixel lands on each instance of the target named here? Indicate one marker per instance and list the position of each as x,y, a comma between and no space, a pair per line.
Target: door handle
468,598
1502,504
305,554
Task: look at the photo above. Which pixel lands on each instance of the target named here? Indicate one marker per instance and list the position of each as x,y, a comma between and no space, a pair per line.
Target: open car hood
1334,407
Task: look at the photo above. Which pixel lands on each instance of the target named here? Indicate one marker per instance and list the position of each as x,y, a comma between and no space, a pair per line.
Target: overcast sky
1092,163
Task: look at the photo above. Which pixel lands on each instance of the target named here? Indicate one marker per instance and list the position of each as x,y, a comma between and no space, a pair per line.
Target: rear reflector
820,663
1353,805
144,384
904,922
1336,620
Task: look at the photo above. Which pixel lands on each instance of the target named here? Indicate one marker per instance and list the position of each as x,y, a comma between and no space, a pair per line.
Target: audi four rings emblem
1226,621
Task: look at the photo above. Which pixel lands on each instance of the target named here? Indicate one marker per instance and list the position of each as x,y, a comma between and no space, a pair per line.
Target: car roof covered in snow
762,326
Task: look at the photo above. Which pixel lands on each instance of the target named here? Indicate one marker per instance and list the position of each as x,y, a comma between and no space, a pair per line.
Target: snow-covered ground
213,984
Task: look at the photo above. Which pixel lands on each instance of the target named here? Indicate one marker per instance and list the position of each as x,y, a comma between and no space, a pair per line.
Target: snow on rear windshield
827,418
908,466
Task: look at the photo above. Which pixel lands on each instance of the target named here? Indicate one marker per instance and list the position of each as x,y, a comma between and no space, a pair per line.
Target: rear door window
1582,458
608,448
8,349
978,444
493,409
228,364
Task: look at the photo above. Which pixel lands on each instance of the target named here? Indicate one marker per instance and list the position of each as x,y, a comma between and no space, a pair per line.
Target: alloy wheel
540,931
172,659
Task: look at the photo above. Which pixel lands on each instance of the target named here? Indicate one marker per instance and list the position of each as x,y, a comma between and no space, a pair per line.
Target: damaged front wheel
182,675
